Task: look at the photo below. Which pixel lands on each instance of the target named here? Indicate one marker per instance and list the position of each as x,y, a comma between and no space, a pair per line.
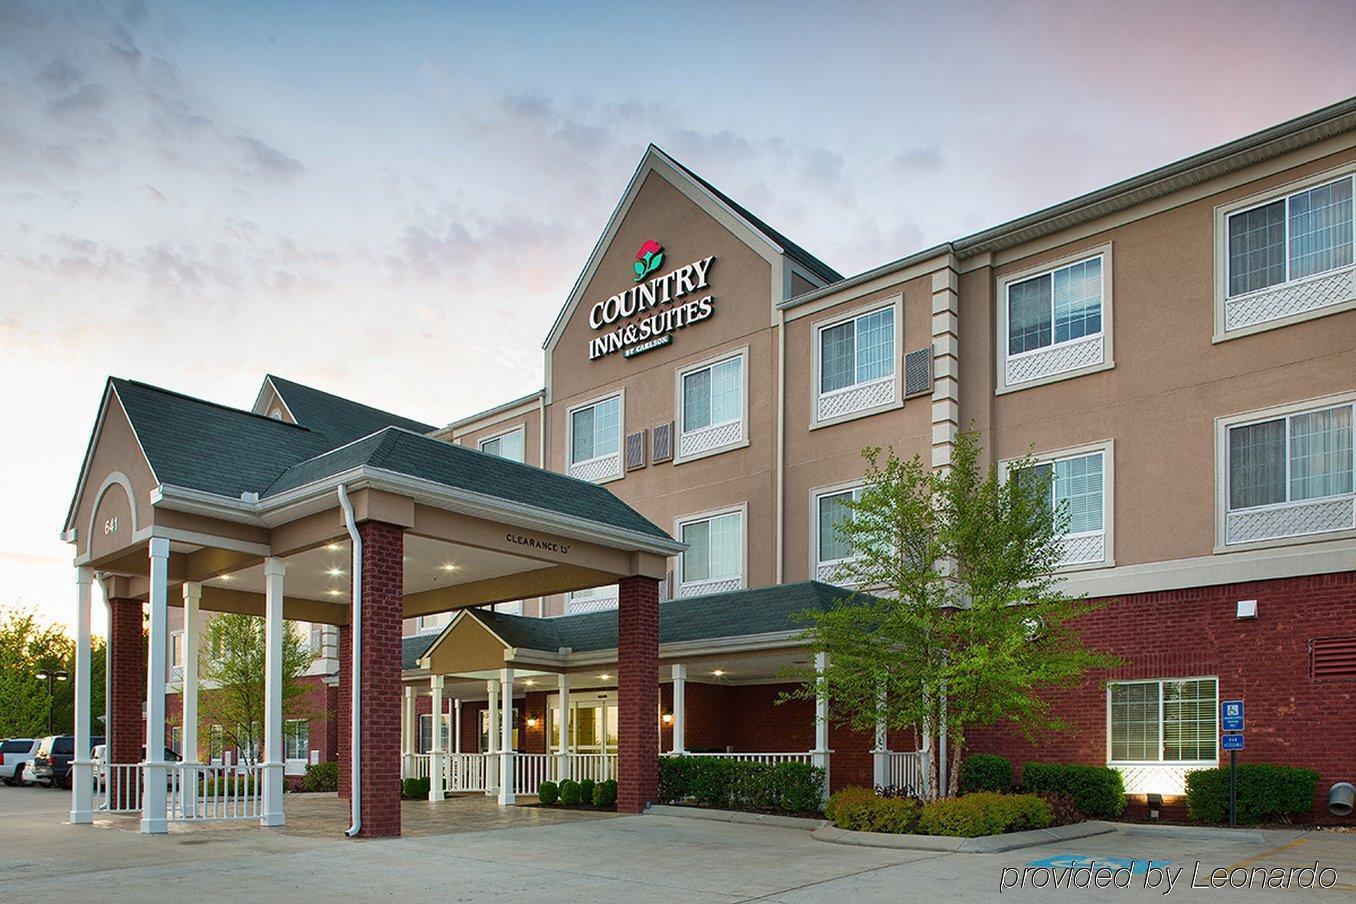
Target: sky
390,201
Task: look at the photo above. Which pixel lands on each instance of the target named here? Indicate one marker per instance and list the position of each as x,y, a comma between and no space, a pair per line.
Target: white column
492,740
82,767
820,755
506,737
679,709
456,725
435,757
272,775
563,726
409,733
880,754
153,800
189,695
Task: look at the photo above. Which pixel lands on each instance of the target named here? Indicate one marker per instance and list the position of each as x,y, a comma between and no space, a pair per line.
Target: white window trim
819,326
743,510
521,427
815,495
680,429
1222,511
606,594
1001,321
1161,762
620,396
1221,288
1108,449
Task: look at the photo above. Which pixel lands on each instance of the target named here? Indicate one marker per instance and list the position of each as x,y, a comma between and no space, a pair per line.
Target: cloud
60,75
84,101
265,162
918,158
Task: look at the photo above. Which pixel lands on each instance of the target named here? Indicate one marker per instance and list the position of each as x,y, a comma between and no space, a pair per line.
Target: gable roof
792,250
342,420
413,648
738,613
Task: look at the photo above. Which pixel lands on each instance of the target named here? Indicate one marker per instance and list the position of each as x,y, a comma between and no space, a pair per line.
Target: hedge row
1097,791
726,783
970,816
570,793
1265,793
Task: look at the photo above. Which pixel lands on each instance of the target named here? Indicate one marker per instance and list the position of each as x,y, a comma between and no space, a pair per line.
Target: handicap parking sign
1231,742
1231,715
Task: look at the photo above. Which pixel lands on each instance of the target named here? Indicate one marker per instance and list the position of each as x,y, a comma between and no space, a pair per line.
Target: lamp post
50,676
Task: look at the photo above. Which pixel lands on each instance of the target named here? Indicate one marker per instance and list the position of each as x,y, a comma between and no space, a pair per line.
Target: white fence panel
206,792
465,771
117,787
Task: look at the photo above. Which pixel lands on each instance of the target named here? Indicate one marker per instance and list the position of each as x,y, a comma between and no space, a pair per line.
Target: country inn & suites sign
659,298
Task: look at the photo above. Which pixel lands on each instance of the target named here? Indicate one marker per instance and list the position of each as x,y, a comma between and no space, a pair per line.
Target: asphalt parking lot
630,859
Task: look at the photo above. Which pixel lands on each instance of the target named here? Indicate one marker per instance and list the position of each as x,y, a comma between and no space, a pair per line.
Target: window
485,730
711,407
595,599
855,364
1293,237
1080,482
432,624
507,445
315,640
1288,474
176,740
216,742
1163,721
176,650
1055,321
426,733
595,440
830,547
714,560
296,739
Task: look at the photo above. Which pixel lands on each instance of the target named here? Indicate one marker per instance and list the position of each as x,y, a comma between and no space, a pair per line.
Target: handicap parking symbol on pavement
1136,865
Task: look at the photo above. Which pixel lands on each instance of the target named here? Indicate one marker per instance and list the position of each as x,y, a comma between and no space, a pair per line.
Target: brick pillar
382,615
126,693
637,693
343,711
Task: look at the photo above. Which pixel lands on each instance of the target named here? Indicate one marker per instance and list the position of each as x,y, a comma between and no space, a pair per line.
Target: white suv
14,753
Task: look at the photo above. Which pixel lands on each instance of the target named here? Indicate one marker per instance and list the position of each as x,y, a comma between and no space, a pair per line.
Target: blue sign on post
1231,716
1231,742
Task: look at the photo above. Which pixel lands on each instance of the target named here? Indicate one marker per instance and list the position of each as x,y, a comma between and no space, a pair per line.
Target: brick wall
1291,718
126,681
637,693
343,713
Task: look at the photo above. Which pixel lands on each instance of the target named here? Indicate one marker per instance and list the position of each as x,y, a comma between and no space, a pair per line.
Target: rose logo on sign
649,258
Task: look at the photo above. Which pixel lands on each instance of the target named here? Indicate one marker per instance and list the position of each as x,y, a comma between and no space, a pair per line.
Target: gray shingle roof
340,419
738,613
413,647
204,446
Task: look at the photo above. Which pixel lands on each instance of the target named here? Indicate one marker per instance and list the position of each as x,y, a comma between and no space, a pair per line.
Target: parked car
52,762
29,776
99,753
13,754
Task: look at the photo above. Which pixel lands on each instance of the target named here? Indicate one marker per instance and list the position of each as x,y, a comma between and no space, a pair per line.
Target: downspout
355,667
781,444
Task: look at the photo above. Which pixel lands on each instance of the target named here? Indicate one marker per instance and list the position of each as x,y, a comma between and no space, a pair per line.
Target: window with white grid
1290,238
1163,721
1078,483
1299,457
714,559
506,445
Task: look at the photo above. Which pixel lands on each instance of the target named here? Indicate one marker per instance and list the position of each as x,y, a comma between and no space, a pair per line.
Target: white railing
417,765
466,771
200,792
906,769
530,770
596,766
117,787
772,759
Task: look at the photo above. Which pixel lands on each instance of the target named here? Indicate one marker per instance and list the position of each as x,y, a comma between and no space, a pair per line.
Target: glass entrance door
593,724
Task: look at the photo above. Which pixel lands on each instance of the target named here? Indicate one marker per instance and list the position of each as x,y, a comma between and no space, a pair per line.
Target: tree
233,660
965,624
28,647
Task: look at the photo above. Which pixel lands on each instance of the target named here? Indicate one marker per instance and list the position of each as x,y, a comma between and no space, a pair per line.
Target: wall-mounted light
667,719
532,721
450,567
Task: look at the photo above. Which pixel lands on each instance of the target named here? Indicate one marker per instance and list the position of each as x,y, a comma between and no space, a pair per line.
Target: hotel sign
645,316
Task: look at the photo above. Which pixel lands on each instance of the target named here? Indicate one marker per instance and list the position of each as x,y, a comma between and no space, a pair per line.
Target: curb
989,844
759,819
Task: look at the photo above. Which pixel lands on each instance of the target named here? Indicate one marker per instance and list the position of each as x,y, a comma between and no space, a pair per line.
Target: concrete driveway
624,859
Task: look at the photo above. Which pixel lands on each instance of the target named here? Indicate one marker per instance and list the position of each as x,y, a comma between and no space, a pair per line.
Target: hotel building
1179,348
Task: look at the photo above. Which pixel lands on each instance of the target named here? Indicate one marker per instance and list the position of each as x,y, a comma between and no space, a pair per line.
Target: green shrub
569,793
985,772
852,794
1098,791
414,788
548,793
725,783
605,794
1265,793
586,787
896,815
1063,810
983,813
321,776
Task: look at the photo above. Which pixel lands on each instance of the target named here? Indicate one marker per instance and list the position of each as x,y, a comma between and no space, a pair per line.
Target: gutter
355,667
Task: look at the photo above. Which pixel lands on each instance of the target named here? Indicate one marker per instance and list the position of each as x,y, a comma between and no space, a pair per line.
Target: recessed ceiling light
529,682
717,673
450,567
224,577
333,592
603,676
334,572
333,547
